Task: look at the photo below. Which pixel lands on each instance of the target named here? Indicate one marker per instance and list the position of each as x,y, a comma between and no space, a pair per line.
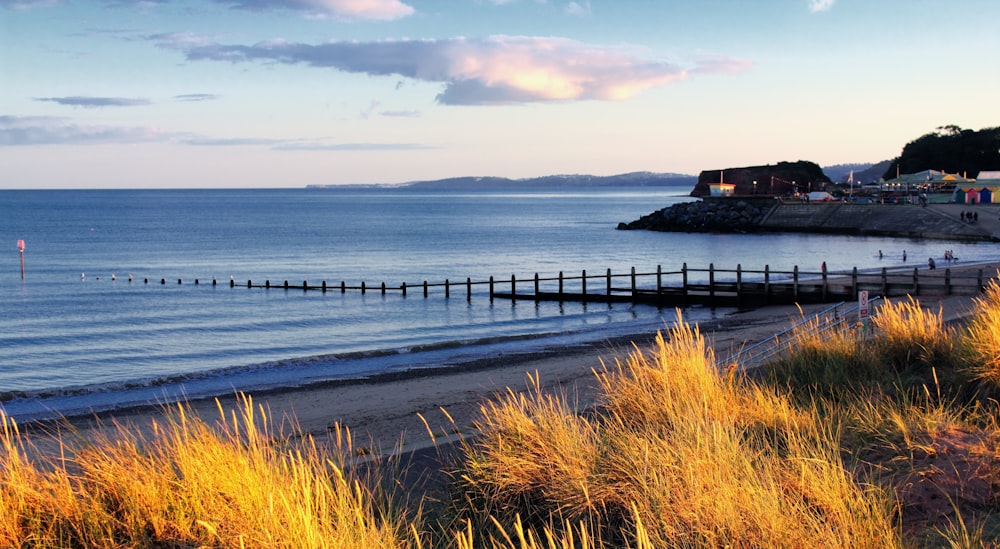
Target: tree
950,149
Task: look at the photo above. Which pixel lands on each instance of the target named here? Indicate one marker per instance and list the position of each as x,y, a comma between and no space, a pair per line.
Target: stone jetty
744,215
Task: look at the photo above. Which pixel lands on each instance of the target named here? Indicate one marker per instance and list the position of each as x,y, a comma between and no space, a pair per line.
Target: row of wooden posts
722,287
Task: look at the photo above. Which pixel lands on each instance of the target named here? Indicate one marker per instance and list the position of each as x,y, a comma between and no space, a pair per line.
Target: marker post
20,248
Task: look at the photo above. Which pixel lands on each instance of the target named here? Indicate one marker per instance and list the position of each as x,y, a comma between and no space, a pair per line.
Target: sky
288,93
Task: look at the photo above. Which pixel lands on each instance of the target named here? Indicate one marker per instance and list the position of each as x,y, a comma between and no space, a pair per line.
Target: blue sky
286,93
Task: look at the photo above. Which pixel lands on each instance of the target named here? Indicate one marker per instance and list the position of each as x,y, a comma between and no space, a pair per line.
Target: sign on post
863,312
20,248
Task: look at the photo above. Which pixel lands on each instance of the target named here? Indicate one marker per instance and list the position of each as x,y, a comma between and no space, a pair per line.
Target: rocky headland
716,216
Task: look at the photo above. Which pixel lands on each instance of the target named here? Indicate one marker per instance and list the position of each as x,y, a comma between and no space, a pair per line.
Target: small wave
285,373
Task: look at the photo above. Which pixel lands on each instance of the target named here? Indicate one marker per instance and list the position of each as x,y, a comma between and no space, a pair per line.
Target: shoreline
391,413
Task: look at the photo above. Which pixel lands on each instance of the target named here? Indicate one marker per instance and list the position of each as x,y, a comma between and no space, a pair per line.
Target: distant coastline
633,179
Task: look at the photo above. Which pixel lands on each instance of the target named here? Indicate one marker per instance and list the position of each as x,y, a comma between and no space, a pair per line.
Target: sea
108,314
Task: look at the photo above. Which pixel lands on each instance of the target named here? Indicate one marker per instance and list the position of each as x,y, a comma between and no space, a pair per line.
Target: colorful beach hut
985,195
971,195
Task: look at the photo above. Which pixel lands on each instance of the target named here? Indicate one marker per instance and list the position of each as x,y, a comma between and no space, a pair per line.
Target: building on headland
721,188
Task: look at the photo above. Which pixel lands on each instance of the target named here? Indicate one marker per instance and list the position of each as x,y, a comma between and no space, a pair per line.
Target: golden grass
700,460
983,336
821,450
911,337
233,484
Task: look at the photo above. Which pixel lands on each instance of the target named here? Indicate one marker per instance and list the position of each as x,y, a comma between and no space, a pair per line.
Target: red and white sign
863,305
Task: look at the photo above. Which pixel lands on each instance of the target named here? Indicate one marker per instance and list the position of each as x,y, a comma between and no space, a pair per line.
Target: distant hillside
634,179
863,172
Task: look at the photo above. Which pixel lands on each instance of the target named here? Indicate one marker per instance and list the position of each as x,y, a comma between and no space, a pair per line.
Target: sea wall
729,215
708,215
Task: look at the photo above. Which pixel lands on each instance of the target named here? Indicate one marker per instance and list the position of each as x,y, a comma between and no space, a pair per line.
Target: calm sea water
72,339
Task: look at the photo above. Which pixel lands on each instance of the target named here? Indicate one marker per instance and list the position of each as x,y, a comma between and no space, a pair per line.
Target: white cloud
191,97
578,9
96,102
379,10
492,70
820,5
50,130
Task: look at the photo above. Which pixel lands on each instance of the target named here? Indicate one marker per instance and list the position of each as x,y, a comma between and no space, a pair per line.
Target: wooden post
609,282
711,283
383,287
560,285
402,288
447,289
468,288
633,281
885,283
267,284
767,284
659,279
425,288
979,280
947,281
491,288
362,287
583,286
826,287
513,291
343,286
684,278
854,284
536,286
795,283
916,282
324,286
249,283
739,285
305,285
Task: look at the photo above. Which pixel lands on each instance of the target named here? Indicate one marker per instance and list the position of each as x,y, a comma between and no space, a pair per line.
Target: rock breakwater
718,216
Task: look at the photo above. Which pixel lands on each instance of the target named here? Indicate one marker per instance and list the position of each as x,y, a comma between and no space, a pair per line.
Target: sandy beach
387,415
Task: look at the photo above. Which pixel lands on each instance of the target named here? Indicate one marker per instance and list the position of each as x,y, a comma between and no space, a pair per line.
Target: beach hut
985,196
971,195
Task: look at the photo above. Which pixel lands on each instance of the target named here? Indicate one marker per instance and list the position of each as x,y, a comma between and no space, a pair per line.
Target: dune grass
982,341
878,436
699,459
191,484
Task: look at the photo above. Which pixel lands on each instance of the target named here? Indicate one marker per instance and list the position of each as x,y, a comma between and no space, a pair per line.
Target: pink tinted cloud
476,71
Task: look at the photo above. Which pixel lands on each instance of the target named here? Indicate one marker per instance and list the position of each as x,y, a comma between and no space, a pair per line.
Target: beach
414,411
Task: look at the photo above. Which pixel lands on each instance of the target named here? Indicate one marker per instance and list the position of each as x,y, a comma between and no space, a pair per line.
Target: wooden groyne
709,286
748,288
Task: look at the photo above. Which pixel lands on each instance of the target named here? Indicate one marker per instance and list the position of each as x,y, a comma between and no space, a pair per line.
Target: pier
710,286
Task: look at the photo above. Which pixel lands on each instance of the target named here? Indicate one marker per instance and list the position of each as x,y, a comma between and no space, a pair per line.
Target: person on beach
880,254
904,255
930,263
